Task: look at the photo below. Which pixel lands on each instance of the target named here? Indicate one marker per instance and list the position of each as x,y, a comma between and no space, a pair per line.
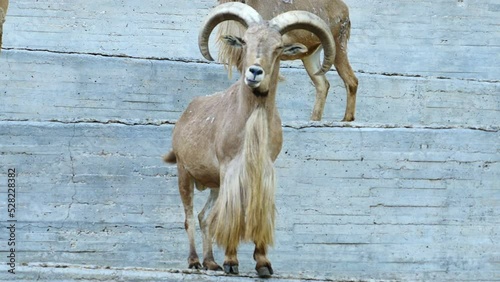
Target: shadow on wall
4,4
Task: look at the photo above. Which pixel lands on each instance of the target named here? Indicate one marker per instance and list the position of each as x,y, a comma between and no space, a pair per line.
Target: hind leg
263,266
186,190
345,71
351,84
208,256
312,65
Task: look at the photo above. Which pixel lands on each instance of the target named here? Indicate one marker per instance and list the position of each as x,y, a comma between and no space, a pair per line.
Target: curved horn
232,11
304,20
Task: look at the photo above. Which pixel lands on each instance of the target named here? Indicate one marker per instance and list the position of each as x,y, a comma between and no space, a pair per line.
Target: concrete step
48,86
428,38
354,202
90,93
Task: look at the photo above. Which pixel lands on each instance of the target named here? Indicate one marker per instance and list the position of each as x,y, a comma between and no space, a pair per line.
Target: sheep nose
256,70
254,76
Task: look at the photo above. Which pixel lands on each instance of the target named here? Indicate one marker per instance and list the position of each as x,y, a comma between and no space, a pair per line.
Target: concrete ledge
65,272
456,39
361,203
47,86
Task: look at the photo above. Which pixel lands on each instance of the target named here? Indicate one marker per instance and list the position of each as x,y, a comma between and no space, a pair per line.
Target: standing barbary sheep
336,14
4,4
229,141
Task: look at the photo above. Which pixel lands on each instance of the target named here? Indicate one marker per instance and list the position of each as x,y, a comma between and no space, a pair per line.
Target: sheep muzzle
254,76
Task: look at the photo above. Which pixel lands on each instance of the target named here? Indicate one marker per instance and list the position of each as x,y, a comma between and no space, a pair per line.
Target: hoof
231,269
265,271
211,265
195,265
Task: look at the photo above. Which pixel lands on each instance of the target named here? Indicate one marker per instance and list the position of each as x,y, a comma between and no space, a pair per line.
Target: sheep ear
294,49
233,41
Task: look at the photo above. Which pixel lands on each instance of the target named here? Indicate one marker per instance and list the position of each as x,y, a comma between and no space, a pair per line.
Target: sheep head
262,43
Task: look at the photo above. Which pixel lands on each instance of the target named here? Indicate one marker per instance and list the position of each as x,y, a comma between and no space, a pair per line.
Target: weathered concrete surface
90,91
457,38
50,86
365,202
61,272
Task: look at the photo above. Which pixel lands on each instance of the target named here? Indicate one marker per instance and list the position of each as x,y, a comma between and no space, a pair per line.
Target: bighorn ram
336,14
4,4
228,141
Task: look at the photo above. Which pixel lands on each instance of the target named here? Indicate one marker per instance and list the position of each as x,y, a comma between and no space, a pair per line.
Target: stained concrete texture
90,93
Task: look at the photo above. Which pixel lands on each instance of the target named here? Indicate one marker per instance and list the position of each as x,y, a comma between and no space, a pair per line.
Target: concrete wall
89,95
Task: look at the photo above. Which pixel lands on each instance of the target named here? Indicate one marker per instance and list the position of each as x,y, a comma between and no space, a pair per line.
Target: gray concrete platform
67,272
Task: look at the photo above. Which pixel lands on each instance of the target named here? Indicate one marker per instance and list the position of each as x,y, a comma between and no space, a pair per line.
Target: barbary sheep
336,14
229,141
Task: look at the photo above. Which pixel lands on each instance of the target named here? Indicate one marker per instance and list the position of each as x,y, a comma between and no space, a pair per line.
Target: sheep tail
170,158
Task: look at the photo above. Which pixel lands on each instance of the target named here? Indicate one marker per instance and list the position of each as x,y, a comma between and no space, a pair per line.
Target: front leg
231,261
263,266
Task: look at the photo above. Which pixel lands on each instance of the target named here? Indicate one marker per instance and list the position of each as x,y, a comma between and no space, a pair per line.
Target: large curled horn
304,20
232,11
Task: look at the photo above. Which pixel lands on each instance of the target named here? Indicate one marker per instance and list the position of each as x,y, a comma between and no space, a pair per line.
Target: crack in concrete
71,161
98,121
71,156
314,124
114,121
108,55
426,76
298,125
